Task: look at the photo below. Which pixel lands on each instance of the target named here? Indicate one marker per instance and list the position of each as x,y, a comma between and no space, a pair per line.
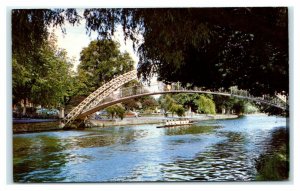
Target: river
216,150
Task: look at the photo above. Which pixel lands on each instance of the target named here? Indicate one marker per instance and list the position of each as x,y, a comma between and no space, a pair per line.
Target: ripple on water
145,153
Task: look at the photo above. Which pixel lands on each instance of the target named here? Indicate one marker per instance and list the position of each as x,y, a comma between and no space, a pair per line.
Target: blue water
218,150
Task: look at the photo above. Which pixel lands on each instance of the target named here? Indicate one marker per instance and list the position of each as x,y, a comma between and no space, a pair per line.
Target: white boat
171,123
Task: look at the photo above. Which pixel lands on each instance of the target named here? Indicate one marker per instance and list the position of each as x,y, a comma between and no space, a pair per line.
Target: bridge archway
94,102
113,102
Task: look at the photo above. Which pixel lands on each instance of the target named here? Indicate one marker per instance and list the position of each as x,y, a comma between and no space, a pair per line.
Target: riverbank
153,120
29,127
32,125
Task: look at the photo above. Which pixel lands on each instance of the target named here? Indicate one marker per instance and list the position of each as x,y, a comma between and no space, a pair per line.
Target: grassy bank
274,165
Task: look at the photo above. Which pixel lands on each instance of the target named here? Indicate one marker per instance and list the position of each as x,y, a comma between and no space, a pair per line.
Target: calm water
221,150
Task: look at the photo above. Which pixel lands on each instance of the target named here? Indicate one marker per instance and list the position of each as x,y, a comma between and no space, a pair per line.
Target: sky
76,39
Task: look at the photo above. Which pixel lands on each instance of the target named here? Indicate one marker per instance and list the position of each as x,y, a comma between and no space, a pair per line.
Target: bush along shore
273,165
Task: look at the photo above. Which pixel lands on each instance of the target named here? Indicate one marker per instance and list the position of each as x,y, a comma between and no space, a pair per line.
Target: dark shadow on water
273,164
34,159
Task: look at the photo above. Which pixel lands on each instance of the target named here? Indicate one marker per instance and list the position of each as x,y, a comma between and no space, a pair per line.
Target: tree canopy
245,47
100,62
43,78
41,72
209,47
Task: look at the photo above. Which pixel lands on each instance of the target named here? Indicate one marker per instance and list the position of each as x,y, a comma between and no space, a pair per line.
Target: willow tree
207,47
205,105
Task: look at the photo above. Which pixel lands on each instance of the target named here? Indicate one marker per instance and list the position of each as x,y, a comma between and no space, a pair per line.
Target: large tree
100,62
43,80
209,47
40,71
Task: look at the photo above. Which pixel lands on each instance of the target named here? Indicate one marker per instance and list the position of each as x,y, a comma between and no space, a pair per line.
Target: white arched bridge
112,93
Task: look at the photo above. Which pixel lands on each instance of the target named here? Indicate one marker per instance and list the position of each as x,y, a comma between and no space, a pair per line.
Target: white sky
76,39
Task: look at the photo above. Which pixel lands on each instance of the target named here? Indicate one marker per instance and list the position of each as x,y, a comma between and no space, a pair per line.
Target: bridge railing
161,87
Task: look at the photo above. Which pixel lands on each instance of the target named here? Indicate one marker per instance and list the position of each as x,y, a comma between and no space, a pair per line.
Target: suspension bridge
112,93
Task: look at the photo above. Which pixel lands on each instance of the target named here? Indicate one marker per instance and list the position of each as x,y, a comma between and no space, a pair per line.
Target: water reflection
38,159
225,161
222,150
185,130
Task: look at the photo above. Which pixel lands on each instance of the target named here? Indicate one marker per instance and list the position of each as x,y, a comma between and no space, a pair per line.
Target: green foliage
145,102
205,105
180,110
116,110
169,104
250,108
30,27
100,62
43,77
239,106
274,163
173,108
131,104
148,102
206,47
273,167
166,101
187,100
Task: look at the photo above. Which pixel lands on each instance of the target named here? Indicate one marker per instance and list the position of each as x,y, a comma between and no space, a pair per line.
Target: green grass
274,166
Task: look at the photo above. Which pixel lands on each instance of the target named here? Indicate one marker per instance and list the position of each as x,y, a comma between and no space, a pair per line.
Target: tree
178,109
43,78
52,79
187,100
30,27
149,102
131,104
100,62
167,103
206,105
116,110
206,47
39,69
239,106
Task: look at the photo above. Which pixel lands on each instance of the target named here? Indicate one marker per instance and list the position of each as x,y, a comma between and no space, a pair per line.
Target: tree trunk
61,113
24,107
